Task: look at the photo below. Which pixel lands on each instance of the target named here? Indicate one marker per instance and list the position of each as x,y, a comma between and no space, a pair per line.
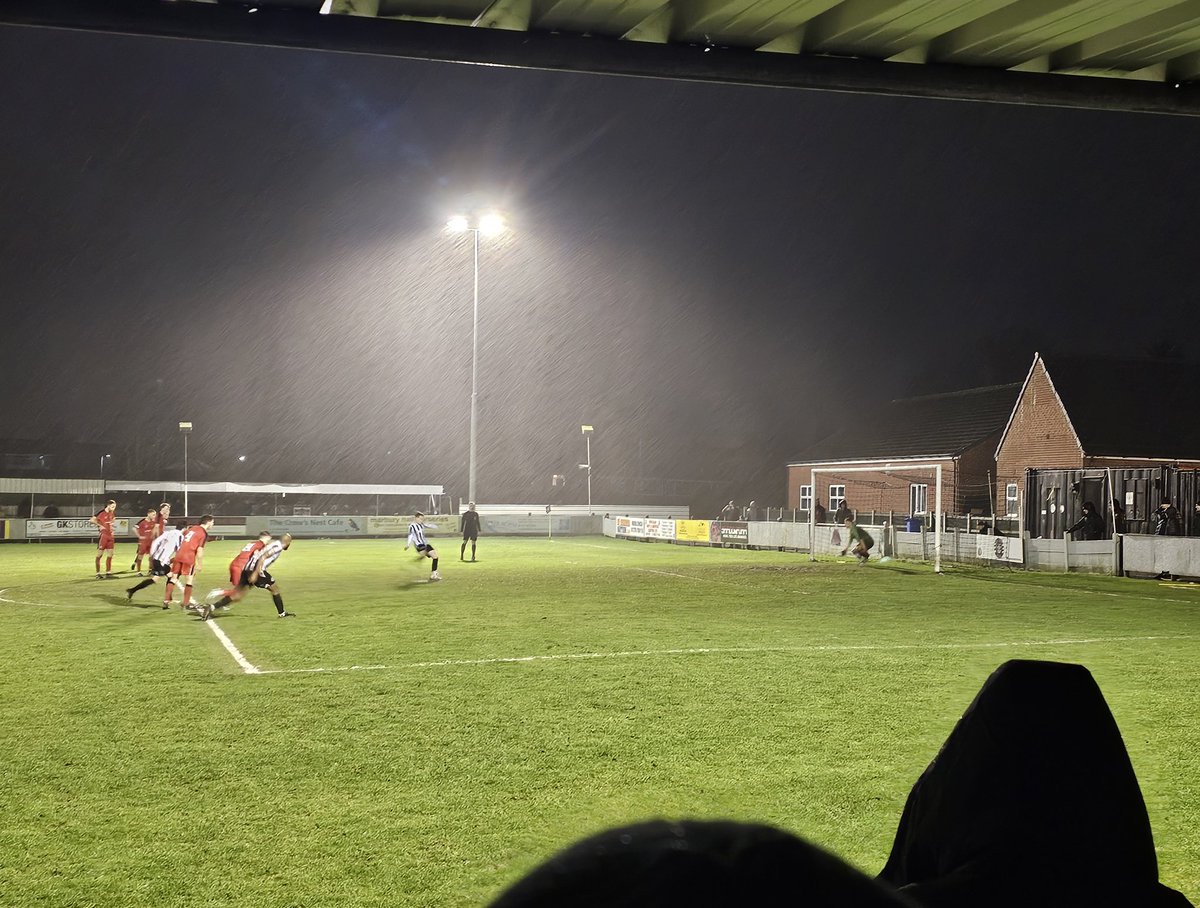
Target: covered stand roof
937,425
1132,408
1119,54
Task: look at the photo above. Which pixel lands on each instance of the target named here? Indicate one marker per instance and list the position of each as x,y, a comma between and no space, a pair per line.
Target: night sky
714,276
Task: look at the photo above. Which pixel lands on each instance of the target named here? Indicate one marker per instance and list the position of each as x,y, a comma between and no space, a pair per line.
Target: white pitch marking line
686,576
247,667
699,651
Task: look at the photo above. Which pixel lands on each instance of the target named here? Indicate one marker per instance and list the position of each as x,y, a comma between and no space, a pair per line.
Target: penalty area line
701,651
247,666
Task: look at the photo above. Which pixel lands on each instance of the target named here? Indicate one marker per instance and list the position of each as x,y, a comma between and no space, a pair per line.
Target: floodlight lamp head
491,224
586,430
458,224
585,466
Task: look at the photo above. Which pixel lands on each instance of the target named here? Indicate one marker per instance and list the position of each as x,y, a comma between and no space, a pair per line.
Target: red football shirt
145,529
243,557
105,519
193,538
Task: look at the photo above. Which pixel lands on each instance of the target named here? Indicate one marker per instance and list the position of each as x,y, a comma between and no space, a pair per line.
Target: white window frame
805,497
1010,499
836,498
918,498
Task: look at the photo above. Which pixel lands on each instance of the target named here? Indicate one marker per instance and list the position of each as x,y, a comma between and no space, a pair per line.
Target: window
837,495
918,498
1010,499
805,497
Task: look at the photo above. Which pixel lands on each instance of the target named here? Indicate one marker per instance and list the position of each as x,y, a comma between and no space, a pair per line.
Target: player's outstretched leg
149,581
472,549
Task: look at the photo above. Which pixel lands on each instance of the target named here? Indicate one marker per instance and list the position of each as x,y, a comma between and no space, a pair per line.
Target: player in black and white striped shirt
416,538
162,550
256,574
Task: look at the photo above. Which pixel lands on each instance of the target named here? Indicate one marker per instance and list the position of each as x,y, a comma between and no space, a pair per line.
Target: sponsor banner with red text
72,526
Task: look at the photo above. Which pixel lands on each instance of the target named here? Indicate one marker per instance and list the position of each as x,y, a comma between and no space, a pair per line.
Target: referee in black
470,531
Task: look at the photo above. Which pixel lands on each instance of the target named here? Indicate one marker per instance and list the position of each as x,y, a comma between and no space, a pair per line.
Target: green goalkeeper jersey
858,534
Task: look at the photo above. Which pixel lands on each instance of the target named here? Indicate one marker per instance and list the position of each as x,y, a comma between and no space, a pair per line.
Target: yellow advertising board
692,530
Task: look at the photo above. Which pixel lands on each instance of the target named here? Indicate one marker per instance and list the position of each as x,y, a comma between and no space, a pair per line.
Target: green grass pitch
420,744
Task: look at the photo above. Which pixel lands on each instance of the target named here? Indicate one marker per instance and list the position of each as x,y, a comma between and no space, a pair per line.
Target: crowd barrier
1129,554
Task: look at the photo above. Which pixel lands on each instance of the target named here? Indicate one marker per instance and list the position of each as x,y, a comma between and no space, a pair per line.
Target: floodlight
491,224
458,224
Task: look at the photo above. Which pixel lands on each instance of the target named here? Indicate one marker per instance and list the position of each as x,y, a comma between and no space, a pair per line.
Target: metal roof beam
1034,27
272,27
1159,34
889,27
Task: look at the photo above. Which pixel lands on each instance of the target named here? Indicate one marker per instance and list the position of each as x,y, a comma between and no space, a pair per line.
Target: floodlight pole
490,224
185,429
474,367
587,434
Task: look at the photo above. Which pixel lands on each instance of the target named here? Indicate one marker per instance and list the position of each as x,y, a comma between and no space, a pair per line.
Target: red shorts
235,573
144,546
183,568
107,541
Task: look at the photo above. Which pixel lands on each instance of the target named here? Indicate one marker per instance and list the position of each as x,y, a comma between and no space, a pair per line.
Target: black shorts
469,536
425,547
158,569
265,580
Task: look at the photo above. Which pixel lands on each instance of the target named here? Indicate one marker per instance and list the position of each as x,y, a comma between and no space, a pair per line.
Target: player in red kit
236,568
147,529
106,543
188,560
164,519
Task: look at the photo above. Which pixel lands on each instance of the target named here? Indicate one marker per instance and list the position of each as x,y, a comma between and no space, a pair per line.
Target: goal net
885,499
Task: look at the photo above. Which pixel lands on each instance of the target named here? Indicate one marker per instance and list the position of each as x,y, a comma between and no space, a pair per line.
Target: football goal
911,489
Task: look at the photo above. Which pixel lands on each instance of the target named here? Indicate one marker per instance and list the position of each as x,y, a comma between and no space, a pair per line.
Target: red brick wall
976,466
874,491
1040,437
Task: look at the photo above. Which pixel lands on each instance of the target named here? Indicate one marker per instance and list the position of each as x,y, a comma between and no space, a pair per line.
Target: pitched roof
937,424
1136,408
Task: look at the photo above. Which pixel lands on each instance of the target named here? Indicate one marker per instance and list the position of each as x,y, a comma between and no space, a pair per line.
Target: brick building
958,430
1098,414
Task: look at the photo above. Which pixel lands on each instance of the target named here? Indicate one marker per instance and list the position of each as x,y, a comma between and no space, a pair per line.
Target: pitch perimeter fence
1130,555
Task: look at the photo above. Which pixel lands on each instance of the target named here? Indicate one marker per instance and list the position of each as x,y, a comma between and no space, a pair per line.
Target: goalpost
881,468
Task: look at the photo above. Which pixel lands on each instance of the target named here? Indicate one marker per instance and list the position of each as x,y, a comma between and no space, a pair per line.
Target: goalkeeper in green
861,539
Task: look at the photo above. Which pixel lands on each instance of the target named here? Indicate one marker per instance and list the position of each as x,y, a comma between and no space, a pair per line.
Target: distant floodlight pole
587,434
185,428
488,224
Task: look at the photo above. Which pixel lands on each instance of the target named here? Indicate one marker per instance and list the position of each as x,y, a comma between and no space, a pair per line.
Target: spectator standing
819,514
843,513
1089,526
729,512
1166,519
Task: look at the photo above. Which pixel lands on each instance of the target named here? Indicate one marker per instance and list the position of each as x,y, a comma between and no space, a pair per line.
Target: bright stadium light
489,223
